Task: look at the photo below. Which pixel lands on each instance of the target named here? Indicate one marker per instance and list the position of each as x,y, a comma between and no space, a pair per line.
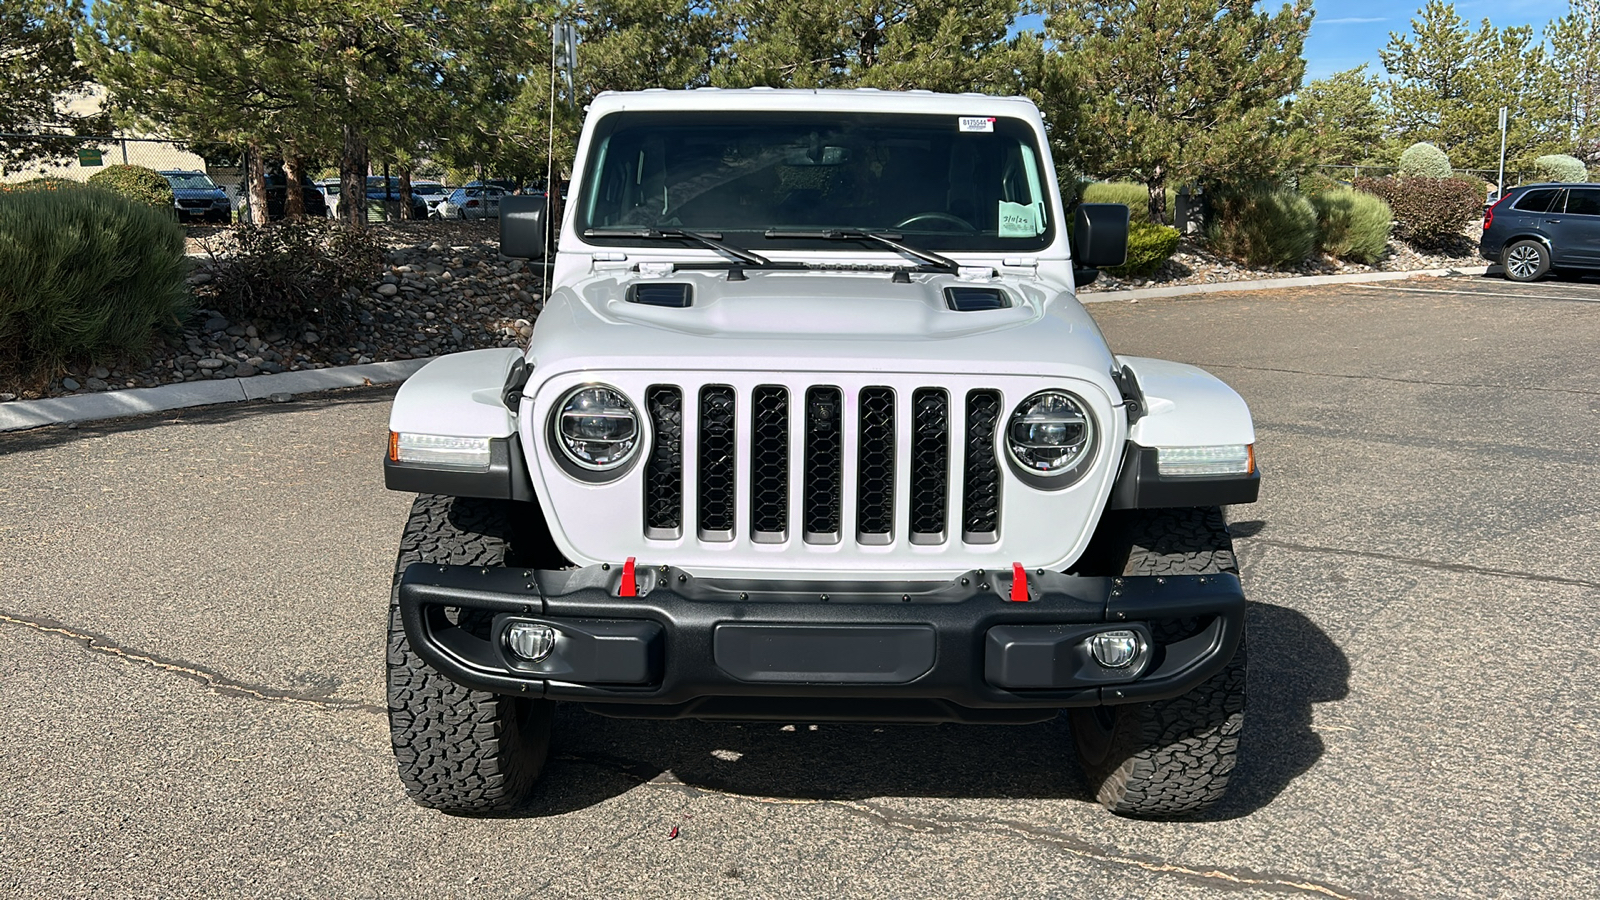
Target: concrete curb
20,414
1267,284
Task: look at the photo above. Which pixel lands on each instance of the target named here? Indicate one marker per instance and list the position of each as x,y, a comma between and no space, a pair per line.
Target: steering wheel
939,217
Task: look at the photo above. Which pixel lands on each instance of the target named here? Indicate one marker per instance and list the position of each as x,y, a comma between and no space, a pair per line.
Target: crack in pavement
1416,381
1221,878
211,680
1463,568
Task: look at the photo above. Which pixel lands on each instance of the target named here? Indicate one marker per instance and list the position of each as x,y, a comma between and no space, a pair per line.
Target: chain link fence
76,158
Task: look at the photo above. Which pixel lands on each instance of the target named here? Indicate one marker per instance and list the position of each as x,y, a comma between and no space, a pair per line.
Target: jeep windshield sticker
977,123
1018,220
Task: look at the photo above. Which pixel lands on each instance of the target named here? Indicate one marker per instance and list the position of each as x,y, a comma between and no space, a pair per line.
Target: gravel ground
1193,264
444,289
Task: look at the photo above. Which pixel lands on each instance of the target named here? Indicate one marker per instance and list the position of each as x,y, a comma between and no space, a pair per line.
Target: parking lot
191,660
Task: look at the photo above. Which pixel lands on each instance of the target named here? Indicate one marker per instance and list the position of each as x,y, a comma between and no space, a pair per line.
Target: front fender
460,395
1183,407
1187,406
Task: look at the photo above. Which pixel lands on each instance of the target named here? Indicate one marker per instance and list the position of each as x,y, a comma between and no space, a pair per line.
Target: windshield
943,182
191,181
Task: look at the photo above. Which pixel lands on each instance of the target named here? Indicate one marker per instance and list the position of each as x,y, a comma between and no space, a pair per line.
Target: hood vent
669,294
976,299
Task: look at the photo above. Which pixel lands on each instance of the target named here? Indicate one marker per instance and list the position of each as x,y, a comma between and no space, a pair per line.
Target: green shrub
1148,247
136,183
295,272
1263,226
1314,183
1351,224
1428,212
83,273
1424,160
1559,167
1136,197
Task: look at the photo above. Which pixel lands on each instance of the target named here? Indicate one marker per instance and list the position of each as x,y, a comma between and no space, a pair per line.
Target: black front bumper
960,650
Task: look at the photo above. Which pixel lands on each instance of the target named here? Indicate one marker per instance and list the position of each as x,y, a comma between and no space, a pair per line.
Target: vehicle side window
1583,201
1537,201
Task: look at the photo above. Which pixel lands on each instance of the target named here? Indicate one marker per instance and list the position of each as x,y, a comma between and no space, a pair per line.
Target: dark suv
1536,228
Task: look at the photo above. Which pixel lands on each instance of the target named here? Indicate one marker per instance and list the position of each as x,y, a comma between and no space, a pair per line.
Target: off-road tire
459,750
1172,758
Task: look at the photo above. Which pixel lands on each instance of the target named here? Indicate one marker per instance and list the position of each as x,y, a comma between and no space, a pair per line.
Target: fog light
530,641
1115,649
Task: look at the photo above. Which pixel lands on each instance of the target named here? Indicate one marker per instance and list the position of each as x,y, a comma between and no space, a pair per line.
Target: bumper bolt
682,578
824,598
984,586
605,567
743,596
964,582
905,598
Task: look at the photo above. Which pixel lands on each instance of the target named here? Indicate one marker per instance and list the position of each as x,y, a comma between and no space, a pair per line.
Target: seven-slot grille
807,430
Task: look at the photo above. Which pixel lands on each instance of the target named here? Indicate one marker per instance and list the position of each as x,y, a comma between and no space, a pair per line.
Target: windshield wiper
887,238
709,239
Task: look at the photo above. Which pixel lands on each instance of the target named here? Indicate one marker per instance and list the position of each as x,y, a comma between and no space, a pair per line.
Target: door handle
1552,221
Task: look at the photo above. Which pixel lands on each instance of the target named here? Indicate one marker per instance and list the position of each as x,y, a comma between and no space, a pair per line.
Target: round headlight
1050,433
597,428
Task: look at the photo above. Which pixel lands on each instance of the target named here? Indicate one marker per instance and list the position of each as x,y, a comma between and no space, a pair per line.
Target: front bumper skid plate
957,650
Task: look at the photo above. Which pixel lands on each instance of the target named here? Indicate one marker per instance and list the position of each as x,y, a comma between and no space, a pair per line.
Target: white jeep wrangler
813,429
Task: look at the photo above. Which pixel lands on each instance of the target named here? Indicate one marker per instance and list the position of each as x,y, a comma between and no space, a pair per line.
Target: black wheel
1525,261
1168,758
461,750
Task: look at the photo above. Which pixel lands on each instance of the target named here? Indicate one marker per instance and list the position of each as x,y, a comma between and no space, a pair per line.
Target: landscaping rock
70,384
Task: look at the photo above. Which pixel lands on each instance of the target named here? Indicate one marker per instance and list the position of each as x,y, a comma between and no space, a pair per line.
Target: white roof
858,100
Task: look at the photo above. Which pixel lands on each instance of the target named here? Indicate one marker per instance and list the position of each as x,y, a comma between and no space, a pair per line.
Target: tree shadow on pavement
1293,665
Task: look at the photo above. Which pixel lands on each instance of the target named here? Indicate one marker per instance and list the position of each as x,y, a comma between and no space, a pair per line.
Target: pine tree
1575,51
1447,84
1341,116
1178,91
39,74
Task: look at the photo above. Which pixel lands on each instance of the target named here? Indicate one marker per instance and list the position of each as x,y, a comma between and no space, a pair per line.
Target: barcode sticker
977,123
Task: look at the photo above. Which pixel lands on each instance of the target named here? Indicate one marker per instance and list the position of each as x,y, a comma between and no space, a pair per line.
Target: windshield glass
943,182
191,181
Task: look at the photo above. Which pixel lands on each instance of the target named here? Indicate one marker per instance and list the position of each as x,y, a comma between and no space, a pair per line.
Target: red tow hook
1019,583
629,587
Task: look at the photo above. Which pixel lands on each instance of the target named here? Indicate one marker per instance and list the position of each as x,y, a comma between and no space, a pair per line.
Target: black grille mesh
930,460
980,512
663,478
875,485
716,461
824,460
769,460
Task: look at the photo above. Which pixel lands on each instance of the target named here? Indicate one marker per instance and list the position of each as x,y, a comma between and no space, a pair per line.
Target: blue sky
1347,33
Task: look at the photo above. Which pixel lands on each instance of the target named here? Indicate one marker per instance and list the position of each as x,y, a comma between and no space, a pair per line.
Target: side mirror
1100,236
523,226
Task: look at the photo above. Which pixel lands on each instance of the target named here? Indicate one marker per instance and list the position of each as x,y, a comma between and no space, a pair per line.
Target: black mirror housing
1099,235
523,226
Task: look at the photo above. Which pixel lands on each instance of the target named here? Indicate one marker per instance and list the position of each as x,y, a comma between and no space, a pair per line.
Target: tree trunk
1158,198
255,179
294,198
405,192
353,177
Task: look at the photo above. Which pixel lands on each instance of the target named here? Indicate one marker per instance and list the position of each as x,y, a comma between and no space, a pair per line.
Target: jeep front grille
717,443
980,496
824,464
806,427
663,499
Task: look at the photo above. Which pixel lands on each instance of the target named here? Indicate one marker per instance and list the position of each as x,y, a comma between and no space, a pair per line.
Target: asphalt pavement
192,609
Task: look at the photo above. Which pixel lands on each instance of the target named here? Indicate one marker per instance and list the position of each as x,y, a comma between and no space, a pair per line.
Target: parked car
277,193
1537,229
196,197
472,202
377,189
432,193
891,472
